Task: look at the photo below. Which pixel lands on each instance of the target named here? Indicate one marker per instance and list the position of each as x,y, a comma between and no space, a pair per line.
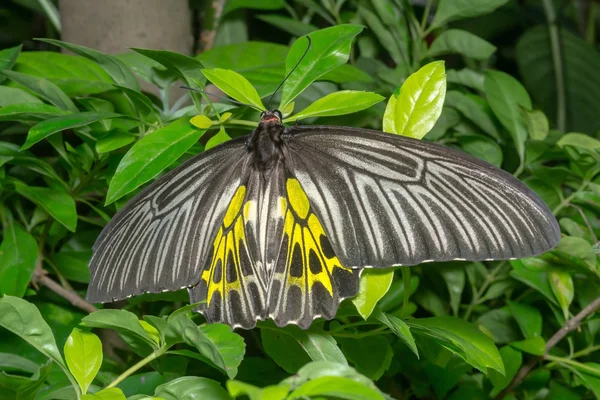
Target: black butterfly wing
163,238
389,200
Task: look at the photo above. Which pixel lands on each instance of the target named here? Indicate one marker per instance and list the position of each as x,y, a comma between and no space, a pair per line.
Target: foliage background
523,93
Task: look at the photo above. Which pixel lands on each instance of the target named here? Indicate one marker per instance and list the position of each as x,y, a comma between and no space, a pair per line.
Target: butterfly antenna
219,97
290,73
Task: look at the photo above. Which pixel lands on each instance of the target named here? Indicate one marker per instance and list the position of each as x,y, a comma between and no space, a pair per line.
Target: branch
569,326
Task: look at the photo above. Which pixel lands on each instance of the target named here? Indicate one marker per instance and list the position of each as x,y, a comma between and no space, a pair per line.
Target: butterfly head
271,116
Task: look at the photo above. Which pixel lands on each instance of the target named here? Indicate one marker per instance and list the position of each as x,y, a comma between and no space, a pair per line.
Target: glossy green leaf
466,77
399,328
561,283
164,146
330,48
461,338
14,96
338,103
237,389
472,110
579,249
419,104
59,204
259,5
124,322
512,360
83,354
318,345
535,345
234,85
538,126
191,388
118,71
113,140
201,122
64,122
452,10
370,355
142,103
220,137
389,116
28,112
456,41
44,88
7,59
374,284
528,317
74,75
448,120
105,394
335,387
18,256
507,97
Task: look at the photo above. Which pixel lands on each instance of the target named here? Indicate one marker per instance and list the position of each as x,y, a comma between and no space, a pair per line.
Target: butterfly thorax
266,141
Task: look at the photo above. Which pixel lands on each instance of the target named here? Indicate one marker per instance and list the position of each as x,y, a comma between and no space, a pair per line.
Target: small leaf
234,85
18,255
466,77
118,71
285,351
512,360
124,322
83,354
105,394
562,287
60,205
535,345
400,329
330,48
535,279
151,331
338,103
374,284
201,121
7,58
452,10
537,125
220,137
150,155
420,101
455,282
370,355
461,42
191,387
528,317
64,122
335,387
43,88
113,140
237,389
472,110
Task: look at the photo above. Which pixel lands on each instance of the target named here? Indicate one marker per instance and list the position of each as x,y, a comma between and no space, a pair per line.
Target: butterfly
279,225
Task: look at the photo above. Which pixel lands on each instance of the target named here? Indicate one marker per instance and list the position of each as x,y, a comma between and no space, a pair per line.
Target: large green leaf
400,329
191,388
15,96
83,354
374,284
420,101
580,65
152,154
234,85
44,88
18,255
335,387
451,10
59,204
118,71
284,350
338,103
58,124
461,338
456,41
76,76
28,112
329,49
124,322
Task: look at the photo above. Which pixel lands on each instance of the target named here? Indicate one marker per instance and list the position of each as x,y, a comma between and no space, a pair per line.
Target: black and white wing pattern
388,200
163,238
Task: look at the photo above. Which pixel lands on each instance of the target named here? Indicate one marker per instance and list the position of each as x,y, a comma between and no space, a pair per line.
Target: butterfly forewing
389,200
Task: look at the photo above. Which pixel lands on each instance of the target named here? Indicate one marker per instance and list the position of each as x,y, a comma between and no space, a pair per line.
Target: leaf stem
479,294
575,364
566,202
151,357
561,108
426,15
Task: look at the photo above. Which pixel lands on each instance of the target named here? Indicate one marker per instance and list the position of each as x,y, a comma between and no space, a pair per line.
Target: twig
207,37
569,326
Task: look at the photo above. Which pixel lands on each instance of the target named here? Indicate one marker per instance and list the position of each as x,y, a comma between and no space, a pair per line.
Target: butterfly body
279,225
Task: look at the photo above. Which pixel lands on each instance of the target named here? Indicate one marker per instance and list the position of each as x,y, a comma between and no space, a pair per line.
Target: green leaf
74,75
561,283
318,345
105,394
13,362
400,329
18,255
466,77
24,320
289,25
59,204
237,389
335,387
538,280
392,37
448,120
124,322
528,317
113,140
473,111
73,265
7,59
215,140
201,122
535,345
83,354
18,387
512,360
191,388
371,355
234,85
150,155
537,125
284,350
591,381
118,71
456,41
44,88
15,96
452,10
579,249
258,5
338,103
374,284
482,147
454,276
58,124
461,338
28,112
507,96
330,48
